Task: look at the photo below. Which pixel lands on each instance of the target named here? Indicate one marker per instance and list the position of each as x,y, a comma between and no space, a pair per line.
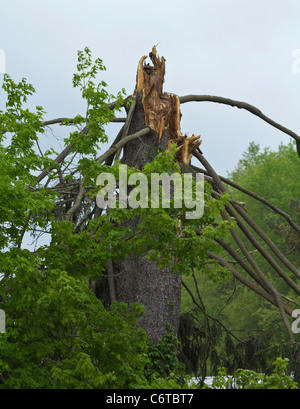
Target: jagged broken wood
162,110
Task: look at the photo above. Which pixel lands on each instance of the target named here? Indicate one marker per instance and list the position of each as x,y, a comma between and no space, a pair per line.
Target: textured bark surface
156,289
139,280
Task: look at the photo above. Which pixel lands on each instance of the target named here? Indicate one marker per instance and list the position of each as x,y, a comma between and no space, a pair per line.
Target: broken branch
241,105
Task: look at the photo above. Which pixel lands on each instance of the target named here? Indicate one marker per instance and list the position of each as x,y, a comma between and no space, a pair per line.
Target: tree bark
139,279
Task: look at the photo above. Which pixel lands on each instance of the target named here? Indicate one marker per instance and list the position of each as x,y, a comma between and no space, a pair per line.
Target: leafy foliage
59,334
247,379
163,360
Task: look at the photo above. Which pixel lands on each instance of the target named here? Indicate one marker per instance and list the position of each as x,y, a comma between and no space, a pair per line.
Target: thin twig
208,315
71,121
254,195
232,211
276,296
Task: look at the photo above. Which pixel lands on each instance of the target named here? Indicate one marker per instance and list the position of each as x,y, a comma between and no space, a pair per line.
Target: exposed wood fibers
162,110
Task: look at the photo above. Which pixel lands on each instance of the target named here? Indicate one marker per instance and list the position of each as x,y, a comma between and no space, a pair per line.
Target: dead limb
201,308
238,209
77,202
71,121
254,195
269,290
241,105
121,143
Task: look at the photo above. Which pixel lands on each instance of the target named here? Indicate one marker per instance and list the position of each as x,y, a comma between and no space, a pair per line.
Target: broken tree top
162,110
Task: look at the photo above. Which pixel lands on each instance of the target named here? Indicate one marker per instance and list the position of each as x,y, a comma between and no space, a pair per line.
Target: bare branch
241,105
254,195
110,106
276,299
253,273
77,202
121,143
110,158
256,228
206,314
248,283
58,160
267,240
71,121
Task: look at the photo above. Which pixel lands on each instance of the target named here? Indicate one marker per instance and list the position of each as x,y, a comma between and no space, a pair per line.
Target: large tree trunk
140,279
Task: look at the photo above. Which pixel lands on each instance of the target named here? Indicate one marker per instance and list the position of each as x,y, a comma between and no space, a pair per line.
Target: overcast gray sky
240,49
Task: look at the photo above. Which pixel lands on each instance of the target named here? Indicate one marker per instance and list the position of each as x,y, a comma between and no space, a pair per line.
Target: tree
146,278
125,255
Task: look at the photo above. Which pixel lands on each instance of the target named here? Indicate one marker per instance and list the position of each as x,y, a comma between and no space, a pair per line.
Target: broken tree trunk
140,280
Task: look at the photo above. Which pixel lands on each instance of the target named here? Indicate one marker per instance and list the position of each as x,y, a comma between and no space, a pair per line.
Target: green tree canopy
61,331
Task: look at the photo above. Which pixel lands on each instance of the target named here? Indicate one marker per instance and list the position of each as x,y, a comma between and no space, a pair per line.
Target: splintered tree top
162,110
